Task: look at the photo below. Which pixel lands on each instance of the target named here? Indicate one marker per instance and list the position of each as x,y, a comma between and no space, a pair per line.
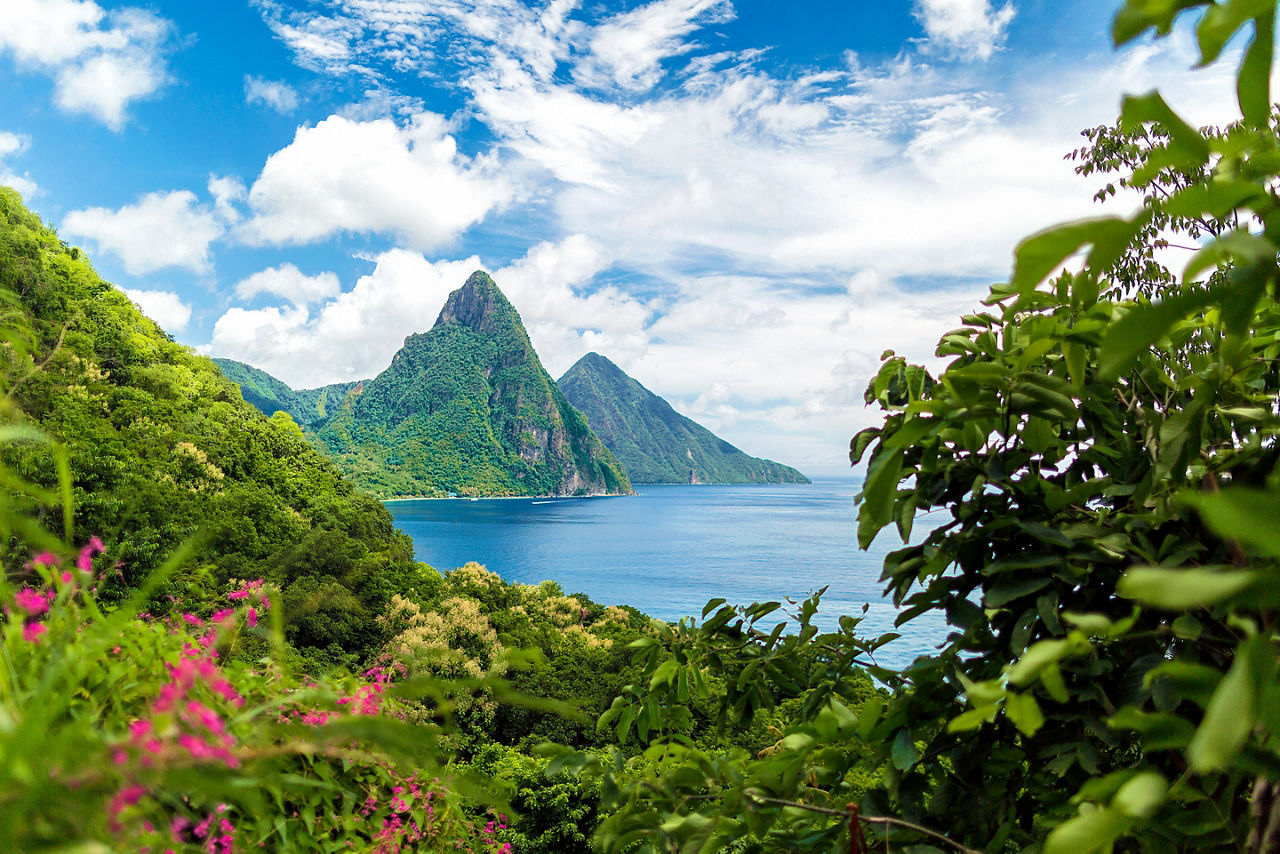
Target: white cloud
291,283
628,49
227,191
160,230
164,307
11,144
351,336
845,210
376,176
965,26
102,61
276,94
356,333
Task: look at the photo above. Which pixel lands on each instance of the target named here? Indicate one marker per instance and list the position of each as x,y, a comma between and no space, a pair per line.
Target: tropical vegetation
1101,443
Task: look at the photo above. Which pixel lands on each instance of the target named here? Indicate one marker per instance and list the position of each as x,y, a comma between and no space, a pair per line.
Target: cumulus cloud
169,229
11,144
354,334
968,27
376,176
275,94
845,210
101,61
164,307
291,283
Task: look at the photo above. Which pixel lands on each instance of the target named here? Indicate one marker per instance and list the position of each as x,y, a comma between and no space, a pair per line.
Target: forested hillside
468,409
163,450
270,395
655,443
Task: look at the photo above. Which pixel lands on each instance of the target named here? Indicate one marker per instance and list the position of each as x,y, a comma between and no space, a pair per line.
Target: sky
742,204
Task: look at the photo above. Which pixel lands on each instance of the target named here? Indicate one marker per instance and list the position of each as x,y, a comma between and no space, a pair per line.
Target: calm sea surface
669,549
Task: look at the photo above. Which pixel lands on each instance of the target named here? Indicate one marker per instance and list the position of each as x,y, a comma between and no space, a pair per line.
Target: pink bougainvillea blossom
34,602
84,561
31,632
247,590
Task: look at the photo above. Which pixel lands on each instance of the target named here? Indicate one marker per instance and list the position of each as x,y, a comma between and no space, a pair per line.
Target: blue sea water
669,549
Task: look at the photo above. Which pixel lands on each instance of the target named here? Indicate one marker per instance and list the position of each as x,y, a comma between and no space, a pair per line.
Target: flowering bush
151,734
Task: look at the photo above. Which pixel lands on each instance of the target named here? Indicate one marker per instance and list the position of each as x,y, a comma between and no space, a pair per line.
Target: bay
669,549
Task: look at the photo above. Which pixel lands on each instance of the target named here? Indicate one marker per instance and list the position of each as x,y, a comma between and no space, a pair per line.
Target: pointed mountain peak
478,304
593,361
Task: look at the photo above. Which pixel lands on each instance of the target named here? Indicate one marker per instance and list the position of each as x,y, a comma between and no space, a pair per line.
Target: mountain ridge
467,408
655,443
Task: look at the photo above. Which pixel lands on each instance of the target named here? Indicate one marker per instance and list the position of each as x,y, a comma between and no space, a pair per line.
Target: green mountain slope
468,409
163,448
270,395
654,442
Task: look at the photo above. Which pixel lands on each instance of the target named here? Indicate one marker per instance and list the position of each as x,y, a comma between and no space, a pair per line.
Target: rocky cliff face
654,442
468,409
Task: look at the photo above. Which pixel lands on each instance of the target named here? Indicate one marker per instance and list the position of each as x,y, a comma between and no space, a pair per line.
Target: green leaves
1248,516
1232,711
1137,16
1180,589
1143,325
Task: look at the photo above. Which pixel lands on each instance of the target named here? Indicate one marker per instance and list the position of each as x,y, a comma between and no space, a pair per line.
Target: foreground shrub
139,733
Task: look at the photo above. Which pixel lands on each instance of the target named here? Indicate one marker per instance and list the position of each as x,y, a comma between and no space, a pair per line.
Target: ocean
669,549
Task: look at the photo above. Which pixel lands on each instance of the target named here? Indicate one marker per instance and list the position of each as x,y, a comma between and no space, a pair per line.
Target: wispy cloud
274,94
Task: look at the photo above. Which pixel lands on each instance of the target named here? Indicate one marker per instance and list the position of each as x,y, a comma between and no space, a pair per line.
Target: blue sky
741,203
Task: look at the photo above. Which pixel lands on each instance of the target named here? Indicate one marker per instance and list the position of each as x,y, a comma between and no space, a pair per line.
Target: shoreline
568,497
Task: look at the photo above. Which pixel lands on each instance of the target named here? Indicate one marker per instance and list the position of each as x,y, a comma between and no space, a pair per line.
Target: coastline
400,498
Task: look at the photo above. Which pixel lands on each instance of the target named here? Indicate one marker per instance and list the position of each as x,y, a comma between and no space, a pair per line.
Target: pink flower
32,601
84,562
45,559
246,591
251,617
31,632
192,619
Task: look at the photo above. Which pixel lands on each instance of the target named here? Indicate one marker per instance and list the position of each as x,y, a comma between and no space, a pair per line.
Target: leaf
1135,17
904,753
1159,730
706,609
1187,147
1183,589
1140,796
1253,84
1249,516
1223,20
1024,712
1239,246
878,492
1142,326
1093,830
1039,656
1038,255
1229,717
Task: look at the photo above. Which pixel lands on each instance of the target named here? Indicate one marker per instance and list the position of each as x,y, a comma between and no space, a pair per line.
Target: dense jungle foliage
653,442
468,409
270,395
